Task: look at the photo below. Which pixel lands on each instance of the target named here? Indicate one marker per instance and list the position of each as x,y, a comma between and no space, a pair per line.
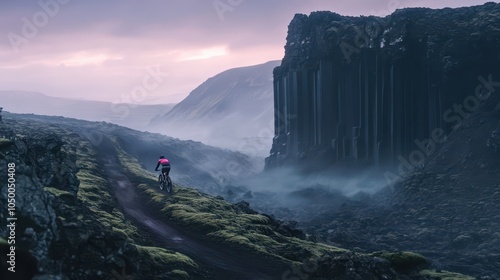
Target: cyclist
165,165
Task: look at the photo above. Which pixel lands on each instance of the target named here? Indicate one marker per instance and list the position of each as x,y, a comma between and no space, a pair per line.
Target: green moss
404,262
178,274
94,209
214,219
445,275
179,207
219,220
230,236
57,192
132,165
155,196
255,219
93,192
262,239
4,142
202,221
164,257
223,222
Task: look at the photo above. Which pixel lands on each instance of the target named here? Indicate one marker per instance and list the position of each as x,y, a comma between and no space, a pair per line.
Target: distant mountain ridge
231,110
130,115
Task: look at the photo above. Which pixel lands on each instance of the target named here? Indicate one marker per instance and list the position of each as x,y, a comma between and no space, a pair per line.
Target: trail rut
227,265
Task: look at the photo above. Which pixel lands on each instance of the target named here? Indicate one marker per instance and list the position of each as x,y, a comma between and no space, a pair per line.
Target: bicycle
165,182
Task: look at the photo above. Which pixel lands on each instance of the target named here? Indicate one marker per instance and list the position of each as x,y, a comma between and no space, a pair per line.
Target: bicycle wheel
169,184
160,181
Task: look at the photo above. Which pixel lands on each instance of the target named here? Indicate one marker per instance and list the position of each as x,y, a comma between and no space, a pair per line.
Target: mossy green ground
221,221
94,196
188,208
404,262
445,275
5,142
57,192
163,256
94,192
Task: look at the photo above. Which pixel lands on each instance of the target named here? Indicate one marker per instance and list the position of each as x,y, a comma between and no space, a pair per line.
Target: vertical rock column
379,107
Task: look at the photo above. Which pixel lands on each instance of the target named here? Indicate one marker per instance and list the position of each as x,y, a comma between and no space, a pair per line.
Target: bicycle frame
165,182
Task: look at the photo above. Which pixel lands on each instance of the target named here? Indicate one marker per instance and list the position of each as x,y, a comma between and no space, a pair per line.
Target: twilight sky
151,51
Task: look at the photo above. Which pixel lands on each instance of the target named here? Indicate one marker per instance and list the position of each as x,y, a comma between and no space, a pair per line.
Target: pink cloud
100,49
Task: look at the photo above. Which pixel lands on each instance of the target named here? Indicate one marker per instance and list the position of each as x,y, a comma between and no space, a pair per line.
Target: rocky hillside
193,163
66,216
447,209
233,109
87,209
414,94
129,115
368,90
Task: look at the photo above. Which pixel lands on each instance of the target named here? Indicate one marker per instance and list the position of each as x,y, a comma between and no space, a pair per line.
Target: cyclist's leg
168,180
166,170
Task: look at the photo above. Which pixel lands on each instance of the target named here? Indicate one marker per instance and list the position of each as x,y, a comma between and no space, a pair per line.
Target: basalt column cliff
370,91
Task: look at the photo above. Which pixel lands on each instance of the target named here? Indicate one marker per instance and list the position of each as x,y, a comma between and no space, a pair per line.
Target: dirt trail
228,265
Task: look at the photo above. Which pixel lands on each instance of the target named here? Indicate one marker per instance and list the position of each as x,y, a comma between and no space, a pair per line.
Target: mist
229,133
289,194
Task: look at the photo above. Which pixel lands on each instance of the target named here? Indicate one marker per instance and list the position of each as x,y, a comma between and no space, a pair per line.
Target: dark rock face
370,90
446,211
36,228
420,87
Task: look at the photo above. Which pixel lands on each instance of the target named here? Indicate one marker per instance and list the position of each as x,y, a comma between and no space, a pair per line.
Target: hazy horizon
150,52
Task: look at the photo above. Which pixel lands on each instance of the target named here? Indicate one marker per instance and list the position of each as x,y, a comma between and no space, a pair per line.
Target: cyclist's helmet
162,157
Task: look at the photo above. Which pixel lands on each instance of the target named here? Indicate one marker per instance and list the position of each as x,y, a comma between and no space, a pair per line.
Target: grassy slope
214,218
95,207
221,221
225,223
445,275
94,193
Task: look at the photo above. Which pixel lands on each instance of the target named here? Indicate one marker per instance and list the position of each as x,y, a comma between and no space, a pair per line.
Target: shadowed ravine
227,265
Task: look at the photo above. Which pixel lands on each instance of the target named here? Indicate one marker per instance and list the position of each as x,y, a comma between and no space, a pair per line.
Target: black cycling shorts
165,169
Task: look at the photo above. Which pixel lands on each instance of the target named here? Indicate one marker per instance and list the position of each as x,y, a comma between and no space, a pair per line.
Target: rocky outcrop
419,90
87,236
68,225
447,210
36,228
372,90
50,224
